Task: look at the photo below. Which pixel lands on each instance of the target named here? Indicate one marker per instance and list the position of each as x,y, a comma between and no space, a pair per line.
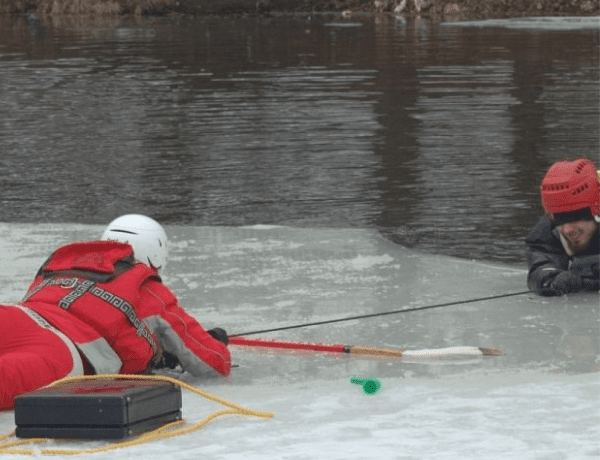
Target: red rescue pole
271,343
421,355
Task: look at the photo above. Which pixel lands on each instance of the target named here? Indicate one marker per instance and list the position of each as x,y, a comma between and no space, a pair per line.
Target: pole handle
375,351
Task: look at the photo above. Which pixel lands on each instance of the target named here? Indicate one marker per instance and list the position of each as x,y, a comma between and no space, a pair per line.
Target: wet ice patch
257,246
367,262
542,23
343,24
262,227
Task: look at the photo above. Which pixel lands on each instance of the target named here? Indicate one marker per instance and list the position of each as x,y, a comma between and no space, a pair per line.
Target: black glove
565,282
167,360
219,334
586,266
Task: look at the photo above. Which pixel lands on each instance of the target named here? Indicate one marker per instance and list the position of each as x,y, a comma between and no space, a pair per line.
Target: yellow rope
7,447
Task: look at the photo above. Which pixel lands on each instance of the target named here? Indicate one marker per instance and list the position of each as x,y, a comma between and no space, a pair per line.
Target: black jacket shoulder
546,256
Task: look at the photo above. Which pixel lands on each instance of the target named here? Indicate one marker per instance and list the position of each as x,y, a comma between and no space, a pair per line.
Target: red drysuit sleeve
181,334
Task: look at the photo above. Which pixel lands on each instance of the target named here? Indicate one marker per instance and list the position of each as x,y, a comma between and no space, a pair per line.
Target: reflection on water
468,185
437,136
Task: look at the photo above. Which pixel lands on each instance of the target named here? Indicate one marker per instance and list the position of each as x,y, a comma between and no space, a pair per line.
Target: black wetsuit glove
586,266
220,335
565,282
170,361
167,360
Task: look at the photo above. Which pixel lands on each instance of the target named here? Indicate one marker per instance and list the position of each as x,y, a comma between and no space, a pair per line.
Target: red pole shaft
270,343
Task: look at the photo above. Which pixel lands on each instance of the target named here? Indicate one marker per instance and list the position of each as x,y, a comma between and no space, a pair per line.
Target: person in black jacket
563,247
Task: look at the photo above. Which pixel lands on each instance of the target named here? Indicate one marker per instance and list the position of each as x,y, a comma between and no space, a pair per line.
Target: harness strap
80,287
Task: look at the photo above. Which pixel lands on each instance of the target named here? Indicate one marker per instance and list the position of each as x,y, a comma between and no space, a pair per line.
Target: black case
97,409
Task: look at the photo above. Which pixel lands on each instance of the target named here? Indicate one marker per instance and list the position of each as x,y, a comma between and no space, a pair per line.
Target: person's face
578,234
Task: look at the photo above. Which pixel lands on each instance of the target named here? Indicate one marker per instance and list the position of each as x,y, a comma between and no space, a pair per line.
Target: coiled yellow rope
8,447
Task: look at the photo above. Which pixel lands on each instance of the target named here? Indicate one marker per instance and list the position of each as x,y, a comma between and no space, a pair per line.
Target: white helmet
147,237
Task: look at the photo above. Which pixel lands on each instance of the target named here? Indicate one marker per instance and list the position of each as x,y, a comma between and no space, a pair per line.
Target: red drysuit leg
32,354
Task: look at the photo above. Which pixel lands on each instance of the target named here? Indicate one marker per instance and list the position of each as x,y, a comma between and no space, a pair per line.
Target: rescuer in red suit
100,307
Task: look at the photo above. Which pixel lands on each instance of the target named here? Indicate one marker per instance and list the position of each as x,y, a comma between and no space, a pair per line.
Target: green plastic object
369,385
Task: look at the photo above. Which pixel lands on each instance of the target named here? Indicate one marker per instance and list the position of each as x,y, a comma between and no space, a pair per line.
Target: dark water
436,135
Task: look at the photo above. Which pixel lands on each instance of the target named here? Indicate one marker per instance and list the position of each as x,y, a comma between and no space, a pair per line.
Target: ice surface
540,400
564,23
